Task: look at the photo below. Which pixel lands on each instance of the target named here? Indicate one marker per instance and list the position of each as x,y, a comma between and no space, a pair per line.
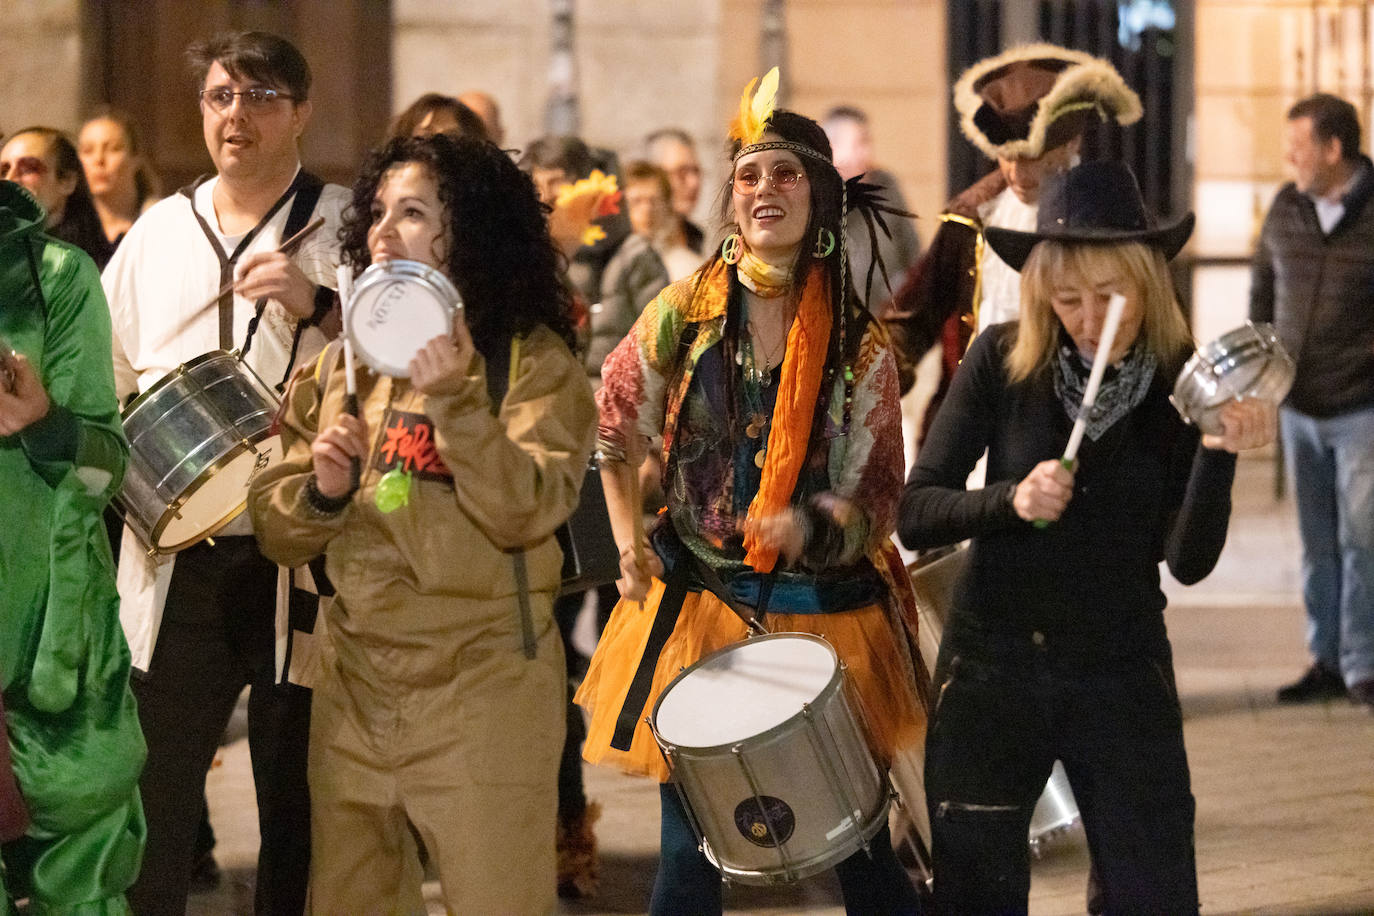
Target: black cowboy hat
1093,202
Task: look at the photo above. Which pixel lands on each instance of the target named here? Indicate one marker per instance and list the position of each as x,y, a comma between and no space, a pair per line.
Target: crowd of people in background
747,364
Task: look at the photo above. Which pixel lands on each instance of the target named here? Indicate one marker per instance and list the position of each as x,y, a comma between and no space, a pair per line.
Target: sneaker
1317,683
1362,693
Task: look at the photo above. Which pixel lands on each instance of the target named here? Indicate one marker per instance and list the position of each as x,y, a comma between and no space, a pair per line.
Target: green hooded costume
73,728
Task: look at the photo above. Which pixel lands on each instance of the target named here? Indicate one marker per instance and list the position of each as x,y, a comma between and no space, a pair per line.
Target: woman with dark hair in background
441,703
120,179
433,113
776,396
45,162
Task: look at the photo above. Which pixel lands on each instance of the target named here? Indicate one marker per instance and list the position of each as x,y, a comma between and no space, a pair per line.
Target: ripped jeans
1007,708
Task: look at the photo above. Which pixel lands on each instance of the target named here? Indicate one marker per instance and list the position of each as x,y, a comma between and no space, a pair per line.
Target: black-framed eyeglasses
784,177
256,99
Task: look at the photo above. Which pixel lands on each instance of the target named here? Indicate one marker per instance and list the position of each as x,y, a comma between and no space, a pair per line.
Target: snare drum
1056,812
197,438
396,308
1247,362
771,764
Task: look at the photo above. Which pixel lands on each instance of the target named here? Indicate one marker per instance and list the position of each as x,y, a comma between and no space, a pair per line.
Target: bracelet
321,506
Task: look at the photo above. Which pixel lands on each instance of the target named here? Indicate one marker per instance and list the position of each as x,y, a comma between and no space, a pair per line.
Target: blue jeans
688,885
1007,709
1332,462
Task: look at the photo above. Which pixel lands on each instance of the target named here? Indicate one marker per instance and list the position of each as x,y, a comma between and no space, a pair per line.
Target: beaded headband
790,146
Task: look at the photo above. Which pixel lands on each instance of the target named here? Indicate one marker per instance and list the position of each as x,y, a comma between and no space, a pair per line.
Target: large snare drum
396,308
196,440
769,758
1246,362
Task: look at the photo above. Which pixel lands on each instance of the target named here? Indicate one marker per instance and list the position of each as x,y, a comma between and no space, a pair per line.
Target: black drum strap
228,261
665,620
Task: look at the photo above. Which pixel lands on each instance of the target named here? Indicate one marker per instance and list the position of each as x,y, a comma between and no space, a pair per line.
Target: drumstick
1115,307
287,248
637,510
344,275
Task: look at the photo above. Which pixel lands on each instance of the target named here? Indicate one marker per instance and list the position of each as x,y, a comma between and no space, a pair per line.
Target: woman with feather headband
776,397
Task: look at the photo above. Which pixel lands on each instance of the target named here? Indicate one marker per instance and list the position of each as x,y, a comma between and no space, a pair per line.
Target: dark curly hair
501,258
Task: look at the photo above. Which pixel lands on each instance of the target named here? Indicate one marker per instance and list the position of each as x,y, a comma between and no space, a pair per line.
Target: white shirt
1001,286
166,269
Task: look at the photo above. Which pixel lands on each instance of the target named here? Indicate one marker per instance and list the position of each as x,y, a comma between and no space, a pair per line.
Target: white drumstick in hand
344,275
1115,306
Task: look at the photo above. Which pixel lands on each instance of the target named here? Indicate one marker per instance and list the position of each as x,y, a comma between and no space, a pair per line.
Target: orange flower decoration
593,197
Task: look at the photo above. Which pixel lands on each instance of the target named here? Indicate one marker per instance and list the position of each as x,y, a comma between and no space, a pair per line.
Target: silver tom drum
1246,362
396,308
197,438
768,757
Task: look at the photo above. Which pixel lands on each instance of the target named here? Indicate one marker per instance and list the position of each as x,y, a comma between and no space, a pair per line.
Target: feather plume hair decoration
755,108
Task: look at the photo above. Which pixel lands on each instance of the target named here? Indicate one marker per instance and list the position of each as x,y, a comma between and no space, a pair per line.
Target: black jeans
217,637
1007,708
688,885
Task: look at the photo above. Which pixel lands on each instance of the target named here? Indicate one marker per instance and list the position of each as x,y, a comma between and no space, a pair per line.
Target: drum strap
306,188
501,373
665,620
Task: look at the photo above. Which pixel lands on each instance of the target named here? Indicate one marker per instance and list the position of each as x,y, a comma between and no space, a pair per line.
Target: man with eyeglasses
214,632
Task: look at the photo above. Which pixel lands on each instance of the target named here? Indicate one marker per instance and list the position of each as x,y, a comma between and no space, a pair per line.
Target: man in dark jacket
1313,277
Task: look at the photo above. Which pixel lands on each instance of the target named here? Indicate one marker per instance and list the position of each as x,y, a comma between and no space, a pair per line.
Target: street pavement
1285,795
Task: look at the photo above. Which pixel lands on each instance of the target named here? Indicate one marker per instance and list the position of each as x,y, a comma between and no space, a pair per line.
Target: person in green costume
74,740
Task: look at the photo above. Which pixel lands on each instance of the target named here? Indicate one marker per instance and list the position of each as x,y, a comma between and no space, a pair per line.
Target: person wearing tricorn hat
1056,647
1026,108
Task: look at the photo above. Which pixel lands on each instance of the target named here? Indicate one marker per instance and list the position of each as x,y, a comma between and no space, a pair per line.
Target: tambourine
396,308
1246,362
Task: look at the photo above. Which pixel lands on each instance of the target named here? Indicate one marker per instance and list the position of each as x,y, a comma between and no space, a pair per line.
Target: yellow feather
755,108
764,99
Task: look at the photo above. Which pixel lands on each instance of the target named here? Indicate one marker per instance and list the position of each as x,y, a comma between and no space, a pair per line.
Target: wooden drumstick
1115,307
637,505
344,275
287,248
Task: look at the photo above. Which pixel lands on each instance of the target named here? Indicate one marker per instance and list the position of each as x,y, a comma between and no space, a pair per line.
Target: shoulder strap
502,370
307,194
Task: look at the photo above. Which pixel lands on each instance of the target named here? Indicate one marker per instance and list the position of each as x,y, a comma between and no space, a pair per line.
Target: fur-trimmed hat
1033,98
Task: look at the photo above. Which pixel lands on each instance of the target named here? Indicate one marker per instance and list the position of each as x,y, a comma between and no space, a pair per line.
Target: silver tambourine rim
1206,357
388,271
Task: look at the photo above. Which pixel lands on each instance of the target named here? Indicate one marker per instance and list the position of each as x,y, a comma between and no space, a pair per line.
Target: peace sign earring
732,249
825,243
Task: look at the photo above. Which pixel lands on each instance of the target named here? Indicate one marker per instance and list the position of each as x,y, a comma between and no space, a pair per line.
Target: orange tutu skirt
864,639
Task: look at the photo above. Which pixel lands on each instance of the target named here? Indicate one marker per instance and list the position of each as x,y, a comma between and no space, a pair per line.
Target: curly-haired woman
442,700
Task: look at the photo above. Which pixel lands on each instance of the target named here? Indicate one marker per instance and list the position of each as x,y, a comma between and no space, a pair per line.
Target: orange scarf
802,371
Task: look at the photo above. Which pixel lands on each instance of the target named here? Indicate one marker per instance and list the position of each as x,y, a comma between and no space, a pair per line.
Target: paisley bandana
1123,386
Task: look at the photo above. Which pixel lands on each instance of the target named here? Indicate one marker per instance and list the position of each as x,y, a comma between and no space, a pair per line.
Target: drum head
218,499
745,690
396,308
1246,362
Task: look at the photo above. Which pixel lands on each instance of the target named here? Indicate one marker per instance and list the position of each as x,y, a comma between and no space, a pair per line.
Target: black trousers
1006,711
216,638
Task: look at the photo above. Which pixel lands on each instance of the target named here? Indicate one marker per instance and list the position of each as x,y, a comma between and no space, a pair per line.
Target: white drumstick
344,275
1104,348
